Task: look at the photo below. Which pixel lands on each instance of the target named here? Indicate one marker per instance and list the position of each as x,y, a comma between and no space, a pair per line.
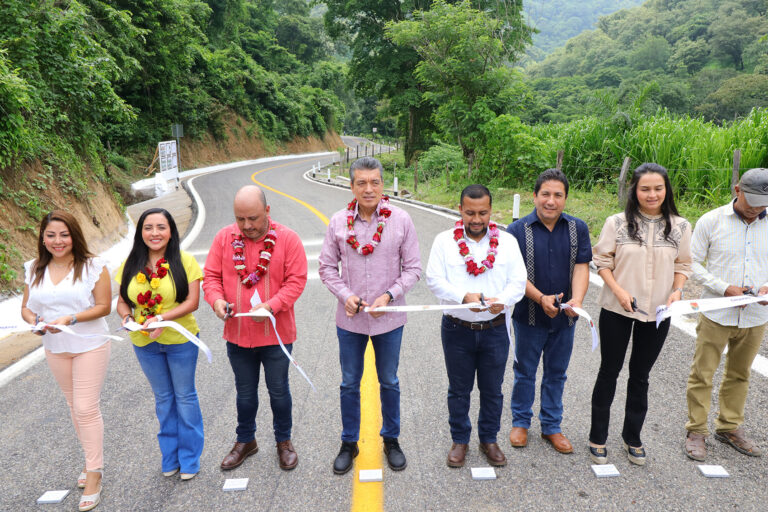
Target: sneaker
598,455
347,453
739,440
695,446
635,455
395,456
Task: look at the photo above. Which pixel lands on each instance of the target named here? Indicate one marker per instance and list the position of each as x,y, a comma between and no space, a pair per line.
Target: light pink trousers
81,377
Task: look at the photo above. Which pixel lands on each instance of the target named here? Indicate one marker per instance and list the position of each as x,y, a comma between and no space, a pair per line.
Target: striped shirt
728,251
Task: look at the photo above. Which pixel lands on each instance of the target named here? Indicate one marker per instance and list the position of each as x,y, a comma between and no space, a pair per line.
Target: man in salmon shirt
257,255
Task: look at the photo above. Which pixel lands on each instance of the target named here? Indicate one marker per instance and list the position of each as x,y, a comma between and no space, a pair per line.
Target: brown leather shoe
494,454
457,454
696,446
739,440
518,436
287,455
238,454
559,442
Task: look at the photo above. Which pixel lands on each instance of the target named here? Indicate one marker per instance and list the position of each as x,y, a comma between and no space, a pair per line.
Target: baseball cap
754,184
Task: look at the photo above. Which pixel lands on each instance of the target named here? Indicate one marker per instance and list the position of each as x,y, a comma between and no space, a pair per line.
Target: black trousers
647,341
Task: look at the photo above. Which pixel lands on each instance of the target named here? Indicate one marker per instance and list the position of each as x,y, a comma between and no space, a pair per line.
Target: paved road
40,452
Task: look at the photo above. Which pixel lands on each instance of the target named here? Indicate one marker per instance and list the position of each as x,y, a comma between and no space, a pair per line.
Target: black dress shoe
343,462
395,456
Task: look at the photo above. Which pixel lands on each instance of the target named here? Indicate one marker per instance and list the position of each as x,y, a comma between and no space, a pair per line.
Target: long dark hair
632,209
139,258
80,250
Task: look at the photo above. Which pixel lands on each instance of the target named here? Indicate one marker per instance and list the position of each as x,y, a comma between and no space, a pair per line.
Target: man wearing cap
730,257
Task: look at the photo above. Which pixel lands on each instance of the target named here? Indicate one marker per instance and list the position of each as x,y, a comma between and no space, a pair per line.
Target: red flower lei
384,213
472,267
238,244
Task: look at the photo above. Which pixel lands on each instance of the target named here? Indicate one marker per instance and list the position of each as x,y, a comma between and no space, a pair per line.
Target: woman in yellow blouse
160,282
644,257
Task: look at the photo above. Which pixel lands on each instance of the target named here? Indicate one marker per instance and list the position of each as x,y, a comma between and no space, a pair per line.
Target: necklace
487,264
238,245
384,213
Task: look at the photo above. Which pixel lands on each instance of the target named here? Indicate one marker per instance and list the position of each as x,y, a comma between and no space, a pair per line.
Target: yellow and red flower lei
238,245
149,303
384,213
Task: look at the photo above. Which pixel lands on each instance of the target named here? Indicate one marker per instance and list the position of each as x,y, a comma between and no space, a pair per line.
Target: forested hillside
706,57
88,88
96,78
559,20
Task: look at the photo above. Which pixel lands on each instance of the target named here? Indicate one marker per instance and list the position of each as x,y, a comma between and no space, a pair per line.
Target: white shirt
52,301
448,279
728,251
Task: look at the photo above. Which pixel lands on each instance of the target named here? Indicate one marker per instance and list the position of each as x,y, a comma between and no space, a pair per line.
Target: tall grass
698,153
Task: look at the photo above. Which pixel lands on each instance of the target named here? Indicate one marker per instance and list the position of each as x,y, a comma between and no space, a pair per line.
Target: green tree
463,67
736,97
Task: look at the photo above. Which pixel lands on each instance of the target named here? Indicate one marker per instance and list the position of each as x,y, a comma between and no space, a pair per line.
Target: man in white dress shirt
732,241
476,262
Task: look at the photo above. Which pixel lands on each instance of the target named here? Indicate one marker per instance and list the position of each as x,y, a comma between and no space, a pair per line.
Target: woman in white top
644,257
67,286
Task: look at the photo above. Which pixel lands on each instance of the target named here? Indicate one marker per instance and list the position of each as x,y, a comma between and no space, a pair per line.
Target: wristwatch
391,297
679,290
159,318
74,319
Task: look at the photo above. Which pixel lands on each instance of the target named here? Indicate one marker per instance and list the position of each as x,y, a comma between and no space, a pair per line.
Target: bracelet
391,297
74,319
678,290
541,297
128,316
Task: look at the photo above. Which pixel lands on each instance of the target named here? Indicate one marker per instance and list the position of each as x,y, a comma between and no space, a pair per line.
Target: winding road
39,450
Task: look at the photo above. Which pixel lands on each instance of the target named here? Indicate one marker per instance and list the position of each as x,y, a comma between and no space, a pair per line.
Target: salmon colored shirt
280,287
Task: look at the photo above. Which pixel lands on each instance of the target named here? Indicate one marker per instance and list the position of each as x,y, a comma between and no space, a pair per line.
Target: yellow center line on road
369,496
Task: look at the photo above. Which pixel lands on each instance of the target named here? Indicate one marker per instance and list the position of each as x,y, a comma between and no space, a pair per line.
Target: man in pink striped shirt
377,247
257,255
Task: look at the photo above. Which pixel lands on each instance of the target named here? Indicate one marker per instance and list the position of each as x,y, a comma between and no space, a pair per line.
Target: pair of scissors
359,305
482,300
228,311
636,309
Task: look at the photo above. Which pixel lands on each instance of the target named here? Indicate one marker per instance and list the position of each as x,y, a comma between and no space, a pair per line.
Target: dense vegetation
81,80
707,57
559,20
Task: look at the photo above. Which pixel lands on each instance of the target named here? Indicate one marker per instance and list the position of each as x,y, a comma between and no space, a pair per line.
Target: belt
479,326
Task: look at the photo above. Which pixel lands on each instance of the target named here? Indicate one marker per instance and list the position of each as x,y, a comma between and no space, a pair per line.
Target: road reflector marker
370,475
605,470
235,484
712,471
486,473
52,497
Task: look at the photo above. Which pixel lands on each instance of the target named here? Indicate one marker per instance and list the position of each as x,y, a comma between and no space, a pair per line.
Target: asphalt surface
40,452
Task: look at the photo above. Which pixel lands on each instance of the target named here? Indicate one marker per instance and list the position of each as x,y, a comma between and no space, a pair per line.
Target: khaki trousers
711,340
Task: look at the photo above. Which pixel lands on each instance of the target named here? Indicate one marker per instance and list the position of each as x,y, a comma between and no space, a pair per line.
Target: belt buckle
477,326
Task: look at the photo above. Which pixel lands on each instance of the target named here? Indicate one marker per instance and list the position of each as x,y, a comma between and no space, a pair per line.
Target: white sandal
94,499
81,480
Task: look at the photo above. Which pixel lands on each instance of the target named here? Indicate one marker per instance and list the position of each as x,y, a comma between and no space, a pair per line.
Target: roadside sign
168,157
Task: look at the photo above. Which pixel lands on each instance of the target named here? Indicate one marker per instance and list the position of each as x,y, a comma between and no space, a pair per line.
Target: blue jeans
469,353
556,346
170,370
245,365
351,356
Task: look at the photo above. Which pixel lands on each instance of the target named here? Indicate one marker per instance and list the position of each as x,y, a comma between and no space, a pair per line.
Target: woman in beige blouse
644,257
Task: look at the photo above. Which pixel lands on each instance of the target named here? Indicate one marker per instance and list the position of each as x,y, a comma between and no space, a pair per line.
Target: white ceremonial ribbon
426,307
134,327
262,312
63,328
687,307
582,313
